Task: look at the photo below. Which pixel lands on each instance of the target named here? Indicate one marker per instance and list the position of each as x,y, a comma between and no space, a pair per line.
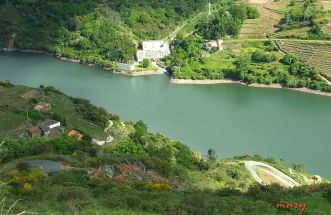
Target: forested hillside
92,31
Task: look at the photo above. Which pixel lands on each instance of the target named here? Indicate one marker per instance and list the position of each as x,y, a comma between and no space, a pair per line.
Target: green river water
232,119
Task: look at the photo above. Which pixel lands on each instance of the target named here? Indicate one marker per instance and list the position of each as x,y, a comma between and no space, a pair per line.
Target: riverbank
189,81
160,71
256,85
142,73
279,86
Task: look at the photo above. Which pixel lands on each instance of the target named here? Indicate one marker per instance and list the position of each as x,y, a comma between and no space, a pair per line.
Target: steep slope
95,32
139,173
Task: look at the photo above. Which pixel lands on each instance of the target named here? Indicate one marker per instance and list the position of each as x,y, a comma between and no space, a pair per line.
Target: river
233,119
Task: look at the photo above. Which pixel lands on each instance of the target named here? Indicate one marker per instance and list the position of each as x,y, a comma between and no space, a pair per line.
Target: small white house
153,49
126,67
215,44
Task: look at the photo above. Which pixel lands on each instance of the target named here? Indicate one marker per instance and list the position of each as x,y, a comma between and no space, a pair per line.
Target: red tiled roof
34,130
76,134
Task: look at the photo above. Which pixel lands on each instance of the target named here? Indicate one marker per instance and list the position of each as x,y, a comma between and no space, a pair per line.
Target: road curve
109,138
282,178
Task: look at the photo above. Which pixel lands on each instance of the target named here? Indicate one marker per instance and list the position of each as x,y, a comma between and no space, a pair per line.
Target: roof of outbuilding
45,125
34,130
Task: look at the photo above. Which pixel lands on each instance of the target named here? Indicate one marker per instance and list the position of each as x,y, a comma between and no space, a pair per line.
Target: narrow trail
326,80
173,34
109,138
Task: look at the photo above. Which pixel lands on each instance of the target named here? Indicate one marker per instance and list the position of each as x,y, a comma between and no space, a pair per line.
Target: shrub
129,147
73,193
327,194
6,84
27,187
260,56
90,112
161,186
22,166
146,63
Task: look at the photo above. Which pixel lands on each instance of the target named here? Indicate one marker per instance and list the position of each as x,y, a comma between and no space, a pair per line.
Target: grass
218,62
10,123
13,112
294,33
150,67
64,107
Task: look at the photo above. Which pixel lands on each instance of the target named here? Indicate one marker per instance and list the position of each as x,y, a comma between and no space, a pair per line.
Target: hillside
95,32
138,173
101,32
63,155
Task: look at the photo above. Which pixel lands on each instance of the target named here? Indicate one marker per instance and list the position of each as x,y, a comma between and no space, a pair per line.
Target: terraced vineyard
267,22
294,33
327,29
316,54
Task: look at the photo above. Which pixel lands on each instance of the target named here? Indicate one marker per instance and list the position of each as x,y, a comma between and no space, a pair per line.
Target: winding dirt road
266,174
109,138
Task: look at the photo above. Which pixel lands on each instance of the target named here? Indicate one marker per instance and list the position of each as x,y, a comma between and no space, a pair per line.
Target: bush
27,187
327,194
73,193
90,112
6,84
260,56
129,147
22,166
146,63
184,155
227,21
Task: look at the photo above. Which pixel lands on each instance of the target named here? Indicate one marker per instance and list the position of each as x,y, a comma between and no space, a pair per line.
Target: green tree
129,147
242,64
146,63
211,155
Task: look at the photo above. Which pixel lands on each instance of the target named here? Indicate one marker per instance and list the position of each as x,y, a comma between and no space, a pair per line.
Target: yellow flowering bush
161,186
27,187
26,178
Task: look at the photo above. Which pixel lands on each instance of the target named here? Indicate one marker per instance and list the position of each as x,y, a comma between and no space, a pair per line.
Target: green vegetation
305,14
96,32
227,21
155,19
17,114
315,54
140,173
146,65
258,62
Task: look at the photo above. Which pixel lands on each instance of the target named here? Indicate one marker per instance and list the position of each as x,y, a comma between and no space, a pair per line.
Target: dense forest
95,32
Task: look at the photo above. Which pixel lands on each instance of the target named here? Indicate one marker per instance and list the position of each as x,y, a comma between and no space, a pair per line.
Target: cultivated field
325,5
301,33
270,16
316,54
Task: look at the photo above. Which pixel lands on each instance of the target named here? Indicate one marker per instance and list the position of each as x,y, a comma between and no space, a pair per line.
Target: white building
215,44
126,67
153,49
